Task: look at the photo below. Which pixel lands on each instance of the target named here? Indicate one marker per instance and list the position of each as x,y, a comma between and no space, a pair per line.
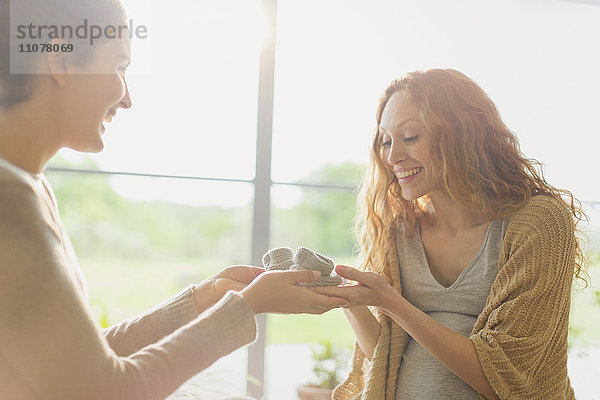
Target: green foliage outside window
136,254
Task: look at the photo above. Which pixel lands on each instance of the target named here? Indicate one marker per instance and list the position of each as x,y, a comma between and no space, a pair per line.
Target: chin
410,195
95,147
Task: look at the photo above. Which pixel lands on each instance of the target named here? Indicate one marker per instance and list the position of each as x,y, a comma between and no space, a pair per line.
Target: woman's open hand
235,277
280,292
370,289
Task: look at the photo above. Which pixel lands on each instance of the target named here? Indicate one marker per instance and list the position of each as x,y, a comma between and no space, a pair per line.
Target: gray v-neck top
420,375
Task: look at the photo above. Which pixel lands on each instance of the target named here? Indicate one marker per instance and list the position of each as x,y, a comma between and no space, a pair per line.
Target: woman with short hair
51,346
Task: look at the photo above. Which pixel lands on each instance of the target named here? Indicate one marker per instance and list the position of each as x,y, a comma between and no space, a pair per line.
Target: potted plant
330,365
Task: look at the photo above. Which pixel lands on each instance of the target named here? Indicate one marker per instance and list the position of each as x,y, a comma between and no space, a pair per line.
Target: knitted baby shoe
308,259
332,280
280,258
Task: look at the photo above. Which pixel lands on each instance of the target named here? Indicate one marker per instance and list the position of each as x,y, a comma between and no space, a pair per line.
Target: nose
397,153
126,100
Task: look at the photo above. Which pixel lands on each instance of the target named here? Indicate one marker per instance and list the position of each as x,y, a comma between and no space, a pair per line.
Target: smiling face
92,95
406,147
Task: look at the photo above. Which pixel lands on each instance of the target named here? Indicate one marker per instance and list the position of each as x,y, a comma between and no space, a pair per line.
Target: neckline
464,272
19,171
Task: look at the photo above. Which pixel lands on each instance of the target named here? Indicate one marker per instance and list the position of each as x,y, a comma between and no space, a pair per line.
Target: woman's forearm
205,296
452,349
365,326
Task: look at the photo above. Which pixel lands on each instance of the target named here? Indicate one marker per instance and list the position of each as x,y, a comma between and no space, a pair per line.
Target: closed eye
411,139
386,141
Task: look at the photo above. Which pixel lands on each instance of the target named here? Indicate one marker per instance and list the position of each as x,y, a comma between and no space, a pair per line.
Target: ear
59,64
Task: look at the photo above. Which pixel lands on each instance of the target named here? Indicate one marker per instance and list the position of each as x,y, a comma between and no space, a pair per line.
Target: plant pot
314,393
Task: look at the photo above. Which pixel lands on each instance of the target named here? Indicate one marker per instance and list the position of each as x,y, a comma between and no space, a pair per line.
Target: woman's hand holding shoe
280,292
371,289
214,288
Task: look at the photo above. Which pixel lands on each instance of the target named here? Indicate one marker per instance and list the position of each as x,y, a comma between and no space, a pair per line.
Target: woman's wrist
251,299
396,308
204,296
356,311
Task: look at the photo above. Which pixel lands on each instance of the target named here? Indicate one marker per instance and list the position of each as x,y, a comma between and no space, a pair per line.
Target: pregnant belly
421,376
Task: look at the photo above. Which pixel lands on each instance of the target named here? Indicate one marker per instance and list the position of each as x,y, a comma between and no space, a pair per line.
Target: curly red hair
481,164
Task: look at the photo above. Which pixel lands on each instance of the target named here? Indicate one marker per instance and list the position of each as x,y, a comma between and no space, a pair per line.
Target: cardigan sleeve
375,379
133,334
521,335
50,341
367,378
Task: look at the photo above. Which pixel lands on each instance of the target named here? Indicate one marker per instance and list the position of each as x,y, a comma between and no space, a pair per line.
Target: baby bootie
332,280
305,259
280,258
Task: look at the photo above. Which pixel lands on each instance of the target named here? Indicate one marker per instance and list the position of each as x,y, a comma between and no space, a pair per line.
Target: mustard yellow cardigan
521,335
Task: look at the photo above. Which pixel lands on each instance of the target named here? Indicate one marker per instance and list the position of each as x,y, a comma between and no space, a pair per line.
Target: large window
137,253
176,197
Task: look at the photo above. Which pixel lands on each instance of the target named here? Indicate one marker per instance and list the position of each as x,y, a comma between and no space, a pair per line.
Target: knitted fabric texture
280,258
283,258
307,259
521,335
